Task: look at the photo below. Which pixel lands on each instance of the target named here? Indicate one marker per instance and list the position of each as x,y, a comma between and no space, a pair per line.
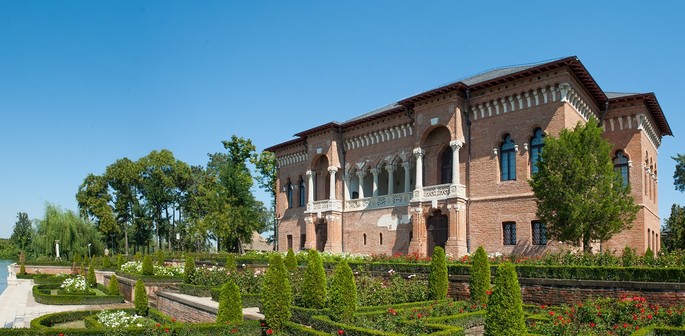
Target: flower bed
43,294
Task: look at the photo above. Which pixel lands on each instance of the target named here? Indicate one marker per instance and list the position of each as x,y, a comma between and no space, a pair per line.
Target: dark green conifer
277,295
291,261
342,298
230,304
140,298
148,269
189,270
504,315
113,286
314,283
479,281
438,283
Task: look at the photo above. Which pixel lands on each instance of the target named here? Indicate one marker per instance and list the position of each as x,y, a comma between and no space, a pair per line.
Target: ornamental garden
312,293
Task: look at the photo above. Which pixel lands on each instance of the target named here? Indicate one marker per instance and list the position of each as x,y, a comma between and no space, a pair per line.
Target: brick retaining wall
184,310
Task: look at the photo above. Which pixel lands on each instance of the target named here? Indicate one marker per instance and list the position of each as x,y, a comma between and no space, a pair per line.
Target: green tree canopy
73,232
22,235
679,174
675,229
580,196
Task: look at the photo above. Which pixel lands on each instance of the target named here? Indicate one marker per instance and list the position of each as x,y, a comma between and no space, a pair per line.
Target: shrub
291,261
77,258
437,279
342,298
160,258
628,257
140,299
231,266
276,294
479,281
113,287
22,269
74,268
120,261
504,315
230,304
314,284
106,262
649,257
83,269
90,279
138,256
148,269
189,270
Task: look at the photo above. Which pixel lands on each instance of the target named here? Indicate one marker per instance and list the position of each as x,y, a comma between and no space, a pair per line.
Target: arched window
289,193
365,239
507,159
536,144
446,166
621,166
380,238
303,190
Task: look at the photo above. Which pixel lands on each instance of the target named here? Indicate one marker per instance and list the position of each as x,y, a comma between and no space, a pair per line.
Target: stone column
456,145
391,178
334,238
310,231
407,176
418,152
375,171
360,177
310,188
346,186
456,241
418,242
332,170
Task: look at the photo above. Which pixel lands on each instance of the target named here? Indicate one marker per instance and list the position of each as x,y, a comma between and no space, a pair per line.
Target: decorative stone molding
564,92
378,202
439,192
324,205
379,136
644,124
292,159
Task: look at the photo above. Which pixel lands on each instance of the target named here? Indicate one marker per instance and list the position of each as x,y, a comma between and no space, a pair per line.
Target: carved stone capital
309,173
391,168
418,152
332,169
375,171
456,144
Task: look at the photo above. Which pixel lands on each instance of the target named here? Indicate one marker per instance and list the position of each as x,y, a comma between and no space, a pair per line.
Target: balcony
439,192
378,202
324,206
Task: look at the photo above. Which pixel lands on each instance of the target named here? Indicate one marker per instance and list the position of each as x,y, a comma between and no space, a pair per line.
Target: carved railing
324,205
440,191
378,202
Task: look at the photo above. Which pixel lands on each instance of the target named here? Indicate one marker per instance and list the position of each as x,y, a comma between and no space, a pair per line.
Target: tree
679,174
277,295
342,298
580,197
93,201
148,268
23,232
674,237
90,279
140,298
189,270
438,283
266,165
314,293
230,304
479,281
504,314
290,261
123,177
74,234
157,184
231,266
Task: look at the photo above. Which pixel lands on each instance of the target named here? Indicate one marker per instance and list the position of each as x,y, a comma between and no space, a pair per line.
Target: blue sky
83,83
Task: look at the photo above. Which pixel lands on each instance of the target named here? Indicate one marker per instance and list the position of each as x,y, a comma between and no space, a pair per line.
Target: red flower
61,334
649,316
551,313
269,331
158,325
234,330
263,324
341,332
166,330
625,325
173,320
543,307
592,324
488,292
419,315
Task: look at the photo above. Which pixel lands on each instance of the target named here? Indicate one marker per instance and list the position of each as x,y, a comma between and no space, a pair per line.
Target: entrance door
437,232
321,236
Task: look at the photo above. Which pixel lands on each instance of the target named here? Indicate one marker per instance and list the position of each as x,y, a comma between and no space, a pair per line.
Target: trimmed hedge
249,300
295,329
41,293
150,278
195,290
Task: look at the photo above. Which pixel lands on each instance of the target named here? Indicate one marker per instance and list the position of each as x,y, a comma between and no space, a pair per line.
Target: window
539,233
507,159
446,166
303,190
380,236
621,166
290,242
365,239
303,239
509,229
289,192
536,144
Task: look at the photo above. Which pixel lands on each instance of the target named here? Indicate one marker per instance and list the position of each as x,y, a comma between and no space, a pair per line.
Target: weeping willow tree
73,232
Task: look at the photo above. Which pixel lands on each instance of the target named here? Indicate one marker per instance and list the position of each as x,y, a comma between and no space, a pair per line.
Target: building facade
450,167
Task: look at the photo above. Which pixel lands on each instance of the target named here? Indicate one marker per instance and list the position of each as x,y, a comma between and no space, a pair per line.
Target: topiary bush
189,270
120,261
628,257
91,281
138,256
83,269
314,283
342,297
106,263
160,258
437,279
277,294
113,286
479,281
140,299
504,315
230,304
148,269
22,269
291,261
231,266
649,257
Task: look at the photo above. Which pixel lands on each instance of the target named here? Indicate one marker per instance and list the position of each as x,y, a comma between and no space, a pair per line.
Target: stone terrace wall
184,310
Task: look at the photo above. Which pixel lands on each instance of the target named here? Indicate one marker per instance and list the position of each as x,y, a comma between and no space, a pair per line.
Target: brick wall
184,310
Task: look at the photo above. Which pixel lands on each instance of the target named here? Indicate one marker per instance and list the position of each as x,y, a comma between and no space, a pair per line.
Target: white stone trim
528,99
293,158
379,136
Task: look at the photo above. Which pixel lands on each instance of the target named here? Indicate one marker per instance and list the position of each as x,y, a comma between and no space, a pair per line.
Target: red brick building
449,167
